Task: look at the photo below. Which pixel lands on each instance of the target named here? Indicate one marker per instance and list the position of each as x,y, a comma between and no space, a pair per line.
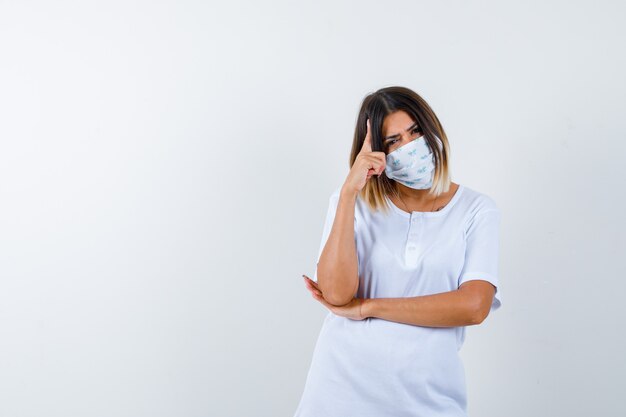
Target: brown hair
376,106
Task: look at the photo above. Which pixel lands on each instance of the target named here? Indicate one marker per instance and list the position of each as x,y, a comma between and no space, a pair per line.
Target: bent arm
446,309
337,269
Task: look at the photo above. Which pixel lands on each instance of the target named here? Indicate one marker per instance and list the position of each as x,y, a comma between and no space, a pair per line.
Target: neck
411,194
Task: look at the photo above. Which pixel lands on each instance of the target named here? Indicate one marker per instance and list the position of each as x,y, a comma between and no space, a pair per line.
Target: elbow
477,318
476,304
337,296
478,313
337,299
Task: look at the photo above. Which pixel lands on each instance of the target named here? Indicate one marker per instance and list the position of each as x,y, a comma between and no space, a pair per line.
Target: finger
309,282
321,300
311,285
316,293
313,291
367,142
374,166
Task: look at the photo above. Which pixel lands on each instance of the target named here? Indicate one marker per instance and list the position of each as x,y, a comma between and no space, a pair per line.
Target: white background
165,169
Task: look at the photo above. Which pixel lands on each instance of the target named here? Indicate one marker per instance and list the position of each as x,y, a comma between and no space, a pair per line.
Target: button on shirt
376,367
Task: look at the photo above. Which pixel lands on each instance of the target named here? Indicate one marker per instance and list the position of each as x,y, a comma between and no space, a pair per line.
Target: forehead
396,122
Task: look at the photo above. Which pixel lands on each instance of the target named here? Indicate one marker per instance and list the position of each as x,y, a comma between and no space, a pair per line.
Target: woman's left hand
352,310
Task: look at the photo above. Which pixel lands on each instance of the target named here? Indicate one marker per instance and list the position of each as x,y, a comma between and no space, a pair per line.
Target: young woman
408,258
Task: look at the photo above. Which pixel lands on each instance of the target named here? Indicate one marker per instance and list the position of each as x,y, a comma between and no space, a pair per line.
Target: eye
390,143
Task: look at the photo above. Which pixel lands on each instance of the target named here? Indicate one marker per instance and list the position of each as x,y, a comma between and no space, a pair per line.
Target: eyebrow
397,134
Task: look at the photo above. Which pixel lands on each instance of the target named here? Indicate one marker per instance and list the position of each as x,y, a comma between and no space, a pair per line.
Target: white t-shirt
376,367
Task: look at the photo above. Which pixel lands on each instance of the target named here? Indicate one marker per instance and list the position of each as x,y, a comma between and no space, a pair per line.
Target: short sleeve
328,225
481,252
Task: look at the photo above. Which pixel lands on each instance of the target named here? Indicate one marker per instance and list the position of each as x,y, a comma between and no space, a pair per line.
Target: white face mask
412,164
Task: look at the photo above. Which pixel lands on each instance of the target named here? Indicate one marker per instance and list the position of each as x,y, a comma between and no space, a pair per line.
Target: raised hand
366,164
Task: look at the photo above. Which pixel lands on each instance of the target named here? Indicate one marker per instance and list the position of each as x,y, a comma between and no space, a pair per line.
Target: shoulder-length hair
376,106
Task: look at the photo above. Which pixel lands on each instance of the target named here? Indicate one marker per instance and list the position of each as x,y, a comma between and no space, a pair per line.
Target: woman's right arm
337,269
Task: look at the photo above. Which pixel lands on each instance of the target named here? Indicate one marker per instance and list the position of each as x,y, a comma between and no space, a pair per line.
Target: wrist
368,308
347,193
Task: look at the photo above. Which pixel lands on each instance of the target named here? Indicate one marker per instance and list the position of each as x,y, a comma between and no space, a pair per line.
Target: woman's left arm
468,305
